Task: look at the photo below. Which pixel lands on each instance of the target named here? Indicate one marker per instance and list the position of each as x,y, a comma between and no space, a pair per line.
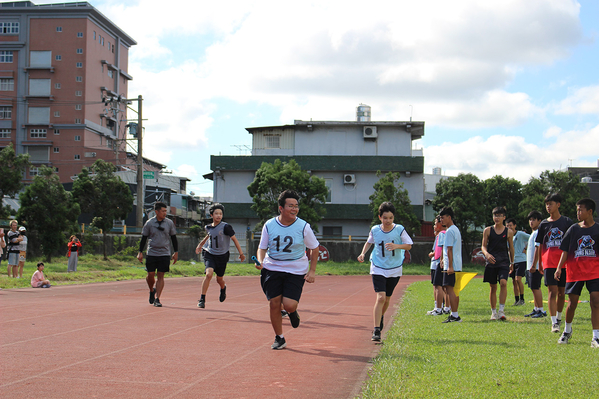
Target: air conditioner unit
370,132
93,154
349,179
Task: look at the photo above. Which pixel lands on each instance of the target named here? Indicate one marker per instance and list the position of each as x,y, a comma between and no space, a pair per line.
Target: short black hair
159,205
216,206
588,204
386,207
499,210
536,215
511,220
446,211
40,264
555,197
287,194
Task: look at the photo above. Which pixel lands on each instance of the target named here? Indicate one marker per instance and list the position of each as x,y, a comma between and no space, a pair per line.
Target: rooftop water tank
363,113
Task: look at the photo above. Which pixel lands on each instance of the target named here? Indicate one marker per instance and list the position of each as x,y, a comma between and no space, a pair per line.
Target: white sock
454,314
435,304
559,315
536,309
447,309
568,328
280,336
595,334
541,309
553,319
501,307
493,310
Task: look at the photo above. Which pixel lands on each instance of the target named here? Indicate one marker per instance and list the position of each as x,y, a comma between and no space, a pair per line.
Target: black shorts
448,279
158,263
519,270
280,283
384,284
575,287
433,276
216,262
495,274
550,277
534,280
438,276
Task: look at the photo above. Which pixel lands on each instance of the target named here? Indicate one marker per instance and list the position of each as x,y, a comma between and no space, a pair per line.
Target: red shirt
550,238
582,245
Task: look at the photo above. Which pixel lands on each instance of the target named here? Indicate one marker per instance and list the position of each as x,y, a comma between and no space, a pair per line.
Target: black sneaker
534,312
382,317
152,295
157,303
564,338
295,319
284,313
538,315
517,303
223,294
376,335
452,319
279,343
202,303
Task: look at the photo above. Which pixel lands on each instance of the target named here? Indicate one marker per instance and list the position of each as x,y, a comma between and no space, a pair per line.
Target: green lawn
479,358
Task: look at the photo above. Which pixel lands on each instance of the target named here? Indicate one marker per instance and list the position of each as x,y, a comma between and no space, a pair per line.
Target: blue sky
504,87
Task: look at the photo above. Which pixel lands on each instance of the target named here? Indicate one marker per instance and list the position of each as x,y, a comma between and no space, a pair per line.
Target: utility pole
140,168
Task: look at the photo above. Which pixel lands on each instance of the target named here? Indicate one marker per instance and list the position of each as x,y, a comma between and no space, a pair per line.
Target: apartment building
60,67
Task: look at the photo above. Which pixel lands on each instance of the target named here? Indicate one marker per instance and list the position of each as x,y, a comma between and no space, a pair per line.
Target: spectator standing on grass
13,244
452,261
159,232
519,269
22,250
73,254
534,275
436,255
2,246
38,280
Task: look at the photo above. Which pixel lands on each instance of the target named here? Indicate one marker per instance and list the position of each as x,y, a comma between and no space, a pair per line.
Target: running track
106,341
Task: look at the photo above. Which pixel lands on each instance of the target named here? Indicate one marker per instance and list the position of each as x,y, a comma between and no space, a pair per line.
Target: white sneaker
501,315
434,312
564,338
595,343
555,328
494,315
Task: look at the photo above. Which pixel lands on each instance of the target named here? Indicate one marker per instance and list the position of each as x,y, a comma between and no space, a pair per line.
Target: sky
504,87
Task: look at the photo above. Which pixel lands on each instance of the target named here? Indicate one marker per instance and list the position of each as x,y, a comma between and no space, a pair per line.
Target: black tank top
497,246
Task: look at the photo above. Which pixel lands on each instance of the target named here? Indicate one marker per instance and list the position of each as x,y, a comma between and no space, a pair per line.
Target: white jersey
530,251
387,272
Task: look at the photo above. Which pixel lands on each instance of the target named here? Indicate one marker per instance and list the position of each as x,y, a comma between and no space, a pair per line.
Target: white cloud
512,156
584,100
553,131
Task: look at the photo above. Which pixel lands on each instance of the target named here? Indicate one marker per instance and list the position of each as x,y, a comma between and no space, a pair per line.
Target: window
79,65
77,157
108,46
38,133
57,131
78,120
329,185
40,87
39,154
39,115
78,107
59,29
77,138
7,84
110,73
6,56
78,93
109,143
94,35
56,150
79,34
273,141
113,48
9,28
58,57
79,78
56,169
57,114
101,40
4,133
5,112
33,171
331,231
57,85
79,51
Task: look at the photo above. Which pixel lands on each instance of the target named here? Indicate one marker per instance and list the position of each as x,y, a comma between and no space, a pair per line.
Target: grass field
479,358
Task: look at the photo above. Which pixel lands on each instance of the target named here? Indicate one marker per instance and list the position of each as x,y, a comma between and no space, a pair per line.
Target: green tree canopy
103,194
12,167
49,211
273,178
564,182
465,195
506,192
389,188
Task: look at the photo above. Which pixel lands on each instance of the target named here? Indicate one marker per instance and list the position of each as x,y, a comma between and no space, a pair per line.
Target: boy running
519,269
496,241
547,254
534,275
283,262
452,261
216,254
436,269
580,247
390,242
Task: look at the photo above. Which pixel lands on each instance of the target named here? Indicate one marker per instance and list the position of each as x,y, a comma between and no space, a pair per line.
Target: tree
12,167
103,194
49,211
566,183
505,192
465,194
388,188
273,178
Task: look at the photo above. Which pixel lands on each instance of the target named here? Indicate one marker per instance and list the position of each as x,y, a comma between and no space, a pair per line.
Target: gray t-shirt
159,241
220,238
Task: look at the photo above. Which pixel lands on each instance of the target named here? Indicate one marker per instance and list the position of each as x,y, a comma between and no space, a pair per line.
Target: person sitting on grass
38,280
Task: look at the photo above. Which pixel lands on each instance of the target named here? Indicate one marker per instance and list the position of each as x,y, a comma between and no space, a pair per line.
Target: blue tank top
286,242
380,256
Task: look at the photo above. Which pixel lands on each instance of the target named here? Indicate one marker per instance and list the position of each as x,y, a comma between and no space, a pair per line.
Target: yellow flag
461,281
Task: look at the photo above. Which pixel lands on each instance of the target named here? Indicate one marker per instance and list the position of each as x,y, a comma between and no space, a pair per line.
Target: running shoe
376,335
202,303
448,311
539,315
494,315
152,295
595,343
452,319
534,312
501,315
517,303
295,319
157,303
564,338
434,312
279,343
555,328
223,294
284,313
